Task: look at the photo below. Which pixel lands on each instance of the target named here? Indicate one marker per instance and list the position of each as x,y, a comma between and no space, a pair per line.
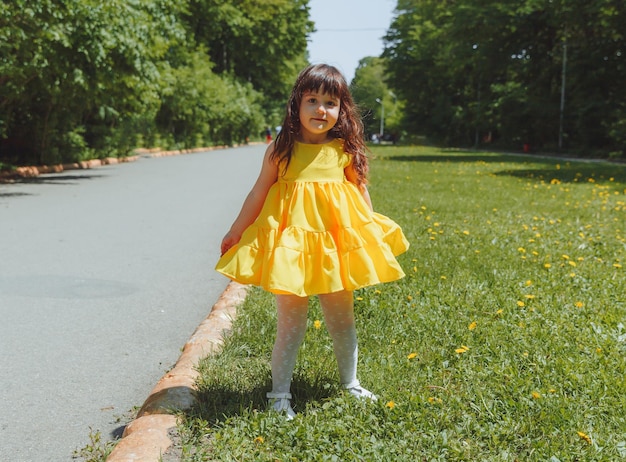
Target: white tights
338,309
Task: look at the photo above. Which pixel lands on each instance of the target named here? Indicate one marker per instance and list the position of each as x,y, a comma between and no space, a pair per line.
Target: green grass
505,342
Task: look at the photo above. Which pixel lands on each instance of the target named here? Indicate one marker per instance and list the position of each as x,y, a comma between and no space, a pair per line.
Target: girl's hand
229,240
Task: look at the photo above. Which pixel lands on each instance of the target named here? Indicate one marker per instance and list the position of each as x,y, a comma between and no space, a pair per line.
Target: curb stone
146,438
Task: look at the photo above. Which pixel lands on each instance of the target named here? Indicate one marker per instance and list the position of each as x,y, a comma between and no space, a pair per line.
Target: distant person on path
268,135
307,227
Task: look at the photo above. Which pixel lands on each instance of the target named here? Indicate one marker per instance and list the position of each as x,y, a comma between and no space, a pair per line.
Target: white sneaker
281,402
356,390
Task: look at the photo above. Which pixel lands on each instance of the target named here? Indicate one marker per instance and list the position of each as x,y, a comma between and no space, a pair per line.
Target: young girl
307,227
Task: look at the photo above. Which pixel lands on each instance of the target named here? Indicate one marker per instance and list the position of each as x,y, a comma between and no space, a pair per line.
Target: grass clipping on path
506,341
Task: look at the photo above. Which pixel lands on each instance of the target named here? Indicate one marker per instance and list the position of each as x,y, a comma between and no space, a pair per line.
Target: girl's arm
352,177
254,201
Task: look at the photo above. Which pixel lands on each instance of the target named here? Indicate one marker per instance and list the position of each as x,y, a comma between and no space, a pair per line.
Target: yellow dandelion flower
466,232
579,304
317,324
412,355
565,257
529,283
547,266
409,297
472,325
598,350
529,296
583,436
572,275
521,304
521,250
536,395
462,349
415,269
259,440
377,292
616,265
571,263
444,277
390,404
432,399
359,298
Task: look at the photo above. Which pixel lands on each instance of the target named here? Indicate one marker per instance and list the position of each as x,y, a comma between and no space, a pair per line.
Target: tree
200,108
86,78
374,98
262,42
74,71
470,68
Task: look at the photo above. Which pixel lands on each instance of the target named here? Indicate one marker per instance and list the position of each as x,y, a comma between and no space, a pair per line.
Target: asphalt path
104,275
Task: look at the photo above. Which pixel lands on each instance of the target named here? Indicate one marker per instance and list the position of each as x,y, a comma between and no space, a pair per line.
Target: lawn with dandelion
504,342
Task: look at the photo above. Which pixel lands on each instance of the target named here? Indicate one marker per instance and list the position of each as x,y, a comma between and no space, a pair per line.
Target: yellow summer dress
315,233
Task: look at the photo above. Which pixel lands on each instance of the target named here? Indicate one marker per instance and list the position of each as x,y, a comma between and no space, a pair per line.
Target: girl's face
319,112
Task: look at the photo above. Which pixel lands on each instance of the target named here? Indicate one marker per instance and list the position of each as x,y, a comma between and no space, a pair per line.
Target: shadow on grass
216,403
447,157
572,173
558,169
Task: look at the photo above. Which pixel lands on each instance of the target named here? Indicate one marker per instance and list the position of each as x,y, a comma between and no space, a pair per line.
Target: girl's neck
309,138
314,139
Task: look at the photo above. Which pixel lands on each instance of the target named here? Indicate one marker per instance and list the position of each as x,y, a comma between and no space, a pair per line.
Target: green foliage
85,78
367,87
504,342
470,69
262,42
75,70
96,451
199,107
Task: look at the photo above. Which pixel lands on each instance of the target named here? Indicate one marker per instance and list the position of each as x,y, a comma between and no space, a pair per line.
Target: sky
347,31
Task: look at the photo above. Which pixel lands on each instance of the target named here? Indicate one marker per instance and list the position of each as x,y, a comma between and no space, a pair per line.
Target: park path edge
146,438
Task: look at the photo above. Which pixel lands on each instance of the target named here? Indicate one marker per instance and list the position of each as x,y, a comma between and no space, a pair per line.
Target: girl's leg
292,318
338,308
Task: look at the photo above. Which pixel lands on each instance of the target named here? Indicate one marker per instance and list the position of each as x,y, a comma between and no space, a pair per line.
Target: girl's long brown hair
349,127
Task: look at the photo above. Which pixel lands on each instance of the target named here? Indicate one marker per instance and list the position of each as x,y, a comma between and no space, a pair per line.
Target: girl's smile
319,112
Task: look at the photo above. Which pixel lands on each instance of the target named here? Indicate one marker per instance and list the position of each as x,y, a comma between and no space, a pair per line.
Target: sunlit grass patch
505,341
